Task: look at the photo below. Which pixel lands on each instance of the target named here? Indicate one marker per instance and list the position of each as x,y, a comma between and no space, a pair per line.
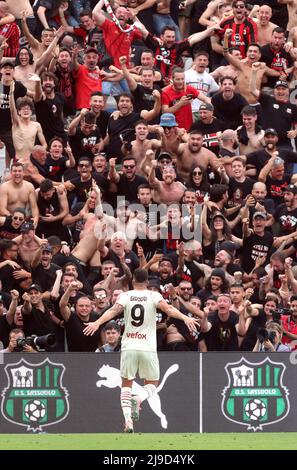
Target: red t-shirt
288,325
116,42
87,81
183,115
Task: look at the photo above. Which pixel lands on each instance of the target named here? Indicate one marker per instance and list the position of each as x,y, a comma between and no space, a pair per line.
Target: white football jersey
140,319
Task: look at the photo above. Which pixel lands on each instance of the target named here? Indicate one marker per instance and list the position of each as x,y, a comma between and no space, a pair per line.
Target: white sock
147,391
126,402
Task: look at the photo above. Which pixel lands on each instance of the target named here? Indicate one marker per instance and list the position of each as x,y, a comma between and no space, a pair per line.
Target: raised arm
98,16
112,312
173,312
41,15
253,83
150,115
198,37
13,111
127,75
33,43
231,59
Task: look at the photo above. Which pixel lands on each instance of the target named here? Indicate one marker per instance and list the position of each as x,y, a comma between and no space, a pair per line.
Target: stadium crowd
152,134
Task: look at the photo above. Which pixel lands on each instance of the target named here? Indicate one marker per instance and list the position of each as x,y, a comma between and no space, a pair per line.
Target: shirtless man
86,250
192,154
227,70
138,147
265,27
244,68
292,12
28,243
167,191
24,131
38,48
18,193
254,133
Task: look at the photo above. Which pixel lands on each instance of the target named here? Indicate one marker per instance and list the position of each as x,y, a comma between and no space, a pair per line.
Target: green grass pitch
137,441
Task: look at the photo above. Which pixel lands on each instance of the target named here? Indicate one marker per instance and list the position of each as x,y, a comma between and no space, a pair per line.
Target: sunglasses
185,288
128,166
197,173
165,161
18,218
83,165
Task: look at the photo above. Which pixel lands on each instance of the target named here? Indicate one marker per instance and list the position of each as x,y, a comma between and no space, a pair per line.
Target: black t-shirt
38,323
76,340
4,331
56,168
129,188
7,230
115,127
82,188
254,246
45,278
223,335
102,123
5,117
239,191
250,338
229,111
144,99
286,219
49,113
261,157
279,116
211,139
275,188
82,144
131,259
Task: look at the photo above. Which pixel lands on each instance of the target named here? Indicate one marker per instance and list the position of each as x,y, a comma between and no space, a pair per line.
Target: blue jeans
77,6
160,21
115,88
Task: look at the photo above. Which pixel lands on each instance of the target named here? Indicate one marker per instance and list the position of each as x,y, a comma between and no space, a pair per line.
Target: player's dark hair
140,276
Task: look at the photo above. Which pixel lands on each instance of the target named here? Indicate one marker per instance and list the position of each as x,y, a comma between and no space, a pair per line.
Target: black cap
27,226
47,248
206,107
291,188
217,214
219,272
230,246
281,83
35,287
164,155
154,282
271,131
6,63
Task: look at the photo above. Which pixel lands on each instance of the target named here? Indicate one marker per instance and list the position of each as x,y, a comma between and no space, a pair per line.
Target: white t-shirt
203,82
140,319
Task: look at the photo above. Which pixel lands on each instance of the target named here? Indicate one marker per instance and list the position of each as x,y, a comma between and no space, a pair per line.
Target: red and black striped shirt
12,33
167,58
243,33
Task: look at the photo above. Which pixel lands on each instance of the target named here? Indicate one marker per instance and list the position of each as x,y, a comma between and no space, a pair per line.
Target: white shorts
146,363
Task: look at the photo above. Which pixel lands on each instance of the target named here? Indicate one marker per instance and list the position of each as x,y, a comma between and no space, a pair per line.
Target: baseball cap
229,246
271,131
36,287
206,107
217,214
260,214
291,188
154,282
27,226
91,49
281,83
164,155
7,63
168,120
47,248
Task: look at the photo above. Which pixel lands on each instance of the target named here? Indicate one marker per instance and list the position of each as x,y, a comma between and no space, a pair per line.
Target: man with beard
192,153
125,118
37,318
257,242
222,330
177,99
289,324
189,254
169,190
49,107
142,92
275,56
228,104
210,126
10,226
97,105
229,144
278,111
87,77
85,138
128,181
274,176
18,193
82,184
200,79
37,47
286,214
62,69
43,270
259,158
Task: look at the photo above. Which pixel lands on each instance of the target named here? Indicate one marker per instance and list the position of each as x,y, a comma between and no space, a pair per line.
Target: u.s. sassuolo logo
255,395
35,396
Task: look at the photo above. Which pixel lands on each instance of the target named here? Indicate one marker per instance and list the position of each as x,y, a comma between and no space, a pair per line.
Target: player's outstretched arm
171,311
112,312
